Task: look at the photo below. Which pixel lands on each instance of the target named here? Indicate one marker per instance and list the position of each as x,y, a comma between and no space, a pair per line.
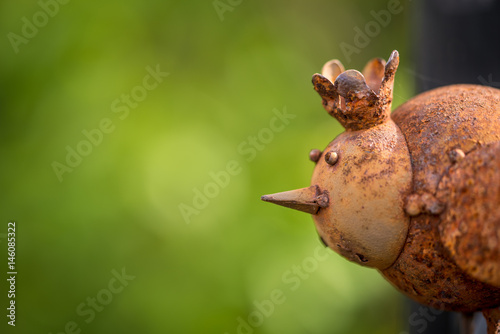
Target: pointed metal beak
309,199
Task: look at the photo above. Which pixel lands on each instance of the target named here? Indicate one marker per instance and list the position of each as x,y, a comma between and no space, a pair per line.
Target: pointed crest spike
332,69
330,97
389,74
308,199
374,73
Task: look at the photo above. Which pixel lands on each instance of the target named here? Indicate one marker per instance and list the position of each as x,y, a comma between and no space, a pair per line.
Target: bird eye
331,158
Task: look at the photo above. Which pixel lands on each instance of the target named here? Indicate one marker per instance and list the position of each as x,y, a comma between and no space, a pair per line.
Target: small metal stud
331,158
314,155
456,155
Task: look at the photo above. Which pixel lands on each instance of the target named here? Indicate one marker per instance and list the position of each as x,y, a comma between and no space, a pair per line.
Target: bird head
361,179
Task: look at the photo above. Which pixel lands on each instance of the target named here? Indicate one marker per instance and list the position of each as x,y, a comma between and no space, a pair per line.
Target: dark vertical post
455,41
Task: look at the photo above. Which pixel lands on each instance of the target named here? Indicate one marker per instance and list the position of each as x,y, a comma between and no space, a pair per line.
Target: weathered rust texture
441,120
425,272
366,170
366,222
492,317
470,225
354,102
464,117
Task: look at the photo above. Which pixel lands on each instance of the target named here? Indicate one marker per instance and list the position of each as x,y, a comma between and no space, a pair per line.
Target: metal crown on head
358,101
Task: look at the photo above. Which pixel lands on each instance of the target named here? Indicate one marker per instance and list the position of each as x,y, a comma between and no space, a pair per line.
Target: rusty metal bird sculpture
414,193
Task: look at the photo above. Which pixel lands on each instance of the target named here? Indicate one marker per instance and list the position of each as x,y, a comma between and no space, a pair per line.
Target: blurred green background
119,208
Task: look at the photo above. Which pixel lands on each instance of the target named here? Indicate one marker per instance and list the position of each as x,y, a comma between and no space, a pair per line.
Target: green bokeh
119,207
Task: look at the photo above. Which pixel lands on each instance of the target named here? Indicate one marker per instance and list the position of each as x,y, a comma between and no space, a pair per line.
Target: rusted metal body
435,124
492,317
414,194
472,187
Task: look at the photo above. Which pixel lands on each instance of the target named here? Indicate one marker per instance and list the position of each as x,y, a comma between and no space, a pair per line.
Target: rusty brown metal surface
366,170
423,203
492,317
365,221
470,225
425,272
441,120
435,123
374,73
332,69
356,102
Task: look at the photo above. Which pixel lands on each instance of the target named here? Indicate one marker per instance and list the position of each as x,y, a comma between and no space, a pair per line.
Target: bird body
431,269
